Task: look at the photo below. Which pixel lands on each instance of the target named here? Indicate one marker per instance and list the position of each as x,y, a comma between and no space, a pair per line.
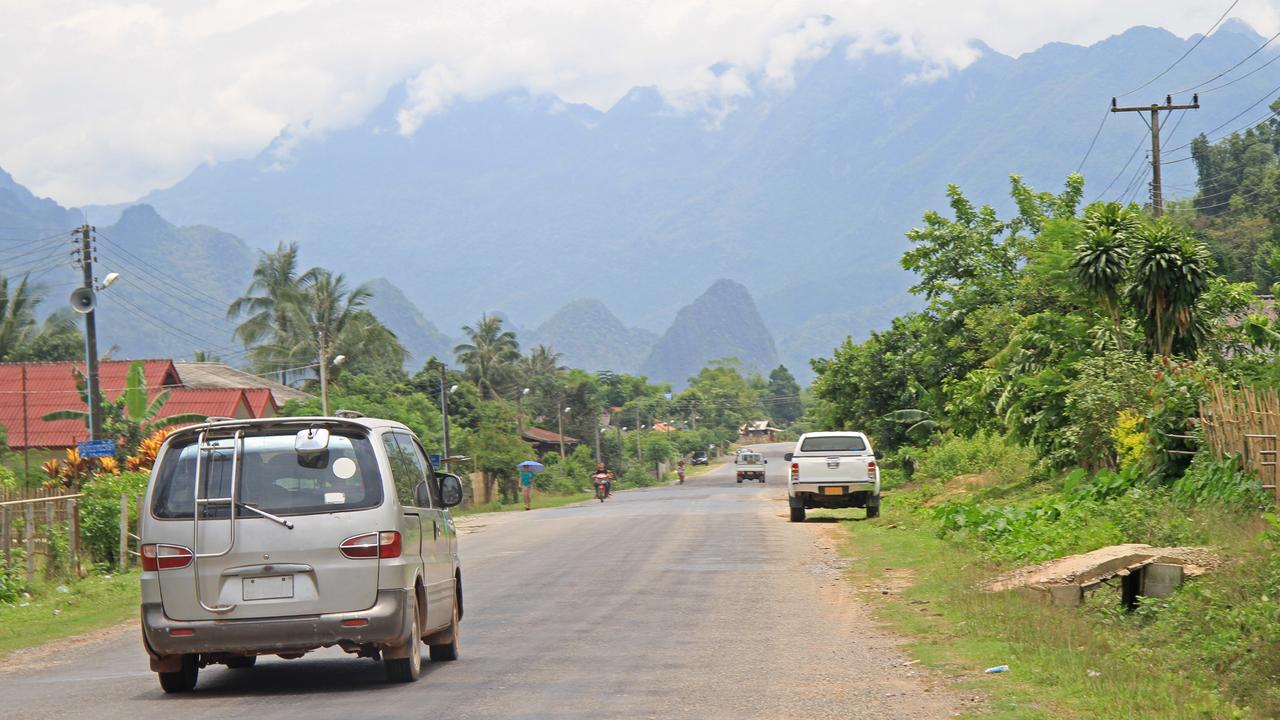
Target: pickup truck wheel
183,680
797,514
739,481
407,669
873,511
242,662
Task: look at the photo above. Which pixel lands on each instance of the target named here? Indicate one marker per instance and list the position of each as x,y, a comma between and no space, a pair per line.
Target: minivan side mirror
422,495
788,456
450,489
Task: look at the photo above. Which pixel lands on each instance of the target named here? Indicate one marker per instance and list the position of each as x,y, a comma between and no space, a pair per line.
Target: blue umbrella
533,465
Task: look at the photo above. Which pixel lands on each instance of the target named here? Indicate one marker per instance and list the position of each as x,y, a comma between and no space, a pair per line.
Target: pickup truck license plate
267,588
832,491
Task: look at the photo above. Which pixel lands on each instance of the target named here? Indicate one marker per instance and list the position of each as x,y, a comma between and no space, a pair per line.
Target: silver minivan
284,535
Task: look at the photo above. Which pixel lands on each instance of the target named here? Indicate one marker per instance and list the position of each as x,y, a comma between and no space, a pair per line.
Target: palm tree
21,338
1170,273
489,356
265,305
1101,262
326,319
541,362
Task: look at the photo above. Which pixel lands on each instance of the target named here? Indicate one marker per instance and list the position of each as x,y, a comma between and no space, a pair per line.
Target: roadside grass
1063,663
539,501
94,603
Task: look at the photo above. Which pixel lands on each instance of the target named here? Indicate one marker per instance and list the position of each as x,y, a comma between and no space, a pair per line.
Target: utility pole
444,415
324,376
1157,192
93,392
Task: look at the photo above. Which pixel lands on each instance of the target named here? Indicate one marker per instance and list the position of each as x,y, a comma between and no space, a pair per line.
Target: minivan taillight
164,557
372,545
871,470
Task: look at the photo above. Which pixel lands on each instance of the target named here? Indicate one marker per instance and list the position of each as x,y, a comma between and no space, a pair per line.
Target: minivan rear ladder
237,449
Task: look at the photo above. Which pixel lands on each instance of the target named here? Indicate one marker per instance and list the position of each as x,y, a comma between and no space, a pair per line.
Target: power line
1242,77
1233,67
161,273
1184,55
1235,117
1094,141
1141,141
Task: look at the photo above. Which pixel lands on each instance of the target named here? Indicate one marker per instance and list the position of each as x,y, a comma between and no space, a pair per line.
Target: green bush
1219,480
12,583
984,452
100,512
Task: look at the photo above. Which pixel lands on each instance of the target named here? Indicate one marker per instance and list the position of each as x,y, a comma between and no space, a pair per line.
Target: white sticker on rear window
344,468
335,498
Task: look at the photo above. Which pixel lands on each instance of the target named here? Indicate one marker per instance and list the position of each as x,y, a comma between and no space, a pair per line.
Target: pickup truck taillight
871,470
795,471
164,557
384,545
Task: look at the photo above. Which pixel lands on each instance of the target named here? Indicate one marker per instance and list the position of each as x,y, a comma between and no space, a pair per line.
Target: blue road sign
97,448
434,460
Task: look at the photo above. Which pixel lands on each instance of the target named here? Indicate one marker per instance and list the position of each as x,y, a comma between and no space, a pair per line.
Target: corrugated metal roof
546,436
218,375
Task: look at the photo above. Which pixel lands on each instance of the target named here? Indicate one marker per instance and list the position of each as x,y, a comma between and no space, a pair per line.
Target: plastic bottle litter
997,669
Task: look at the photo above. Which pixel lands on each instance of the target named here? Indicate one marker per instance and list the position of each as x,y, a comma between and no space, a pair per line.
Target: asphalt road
693,601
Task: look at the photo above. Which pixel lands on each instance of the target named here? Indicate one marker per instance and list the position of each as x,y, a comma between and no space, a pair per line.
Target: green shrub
984,452
12,582
1219,480
100,512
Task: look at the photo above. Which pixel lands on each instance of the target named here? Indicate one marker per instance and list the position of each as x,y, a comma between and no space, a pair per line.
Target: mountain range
800,193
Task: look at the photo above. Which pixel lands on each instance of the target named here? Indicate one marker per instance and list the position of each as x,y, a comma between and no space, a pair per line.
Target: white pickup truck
749,465
832,470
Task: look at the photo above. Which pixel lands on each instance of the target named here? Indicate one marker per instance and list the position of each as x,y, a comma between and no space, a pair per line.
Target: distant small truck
832,470
749,466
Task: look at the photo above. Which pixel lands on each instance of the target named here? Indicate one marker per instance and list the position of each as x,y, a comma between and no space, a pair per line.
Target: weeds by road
1093,662
51,614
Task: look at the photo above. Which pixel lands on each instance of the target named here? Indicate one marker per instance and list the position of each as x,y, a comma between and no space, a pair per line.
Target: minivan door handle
435,523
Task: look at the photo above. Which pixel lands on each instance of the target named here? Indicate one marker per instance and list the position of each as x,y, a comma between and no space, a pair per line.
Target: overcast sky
102,101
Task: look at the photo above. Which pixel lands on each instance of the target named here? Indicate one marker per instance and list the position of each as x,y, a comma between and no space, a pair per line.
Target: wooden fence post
29,516
4,534
73,539
50,567
123,560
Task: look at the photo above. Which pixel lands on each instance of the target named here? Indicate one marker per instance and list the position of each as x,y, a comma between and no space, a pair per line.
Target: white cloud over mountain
106,100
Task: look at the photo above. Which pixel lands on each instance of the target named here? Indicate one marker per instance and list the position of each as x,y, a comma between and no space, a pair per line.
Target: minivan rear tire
449,650
408,669
183,680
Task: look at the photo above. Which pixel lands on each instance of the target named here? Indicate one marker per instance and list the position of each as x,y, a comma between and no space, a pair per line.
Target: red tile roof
209,402
51,387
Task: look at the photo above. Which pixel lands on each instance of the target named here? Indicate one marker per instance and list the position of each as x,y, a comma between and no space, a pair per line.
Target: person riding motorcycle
606,475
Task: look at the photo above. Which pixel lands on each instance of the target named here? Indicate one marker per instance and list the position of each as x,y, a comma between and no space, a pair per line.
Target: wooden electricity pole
1157,194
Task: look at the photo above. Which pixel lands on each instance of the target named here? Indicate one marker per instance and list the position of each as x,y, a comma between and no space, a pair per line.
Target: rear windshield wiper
266,514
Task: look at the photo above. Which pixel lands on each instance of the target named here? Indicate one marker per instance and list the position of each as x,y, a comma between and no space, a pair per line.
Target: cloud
106,100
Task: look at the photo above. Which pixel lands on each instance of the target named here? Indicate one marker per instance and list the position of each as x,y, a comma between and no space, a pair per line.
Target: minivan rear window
273,477
834,443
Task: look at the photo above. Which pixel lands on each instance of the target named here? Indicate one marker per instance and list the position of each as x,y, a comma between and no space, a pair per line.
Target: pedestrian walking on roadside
526,486
680,471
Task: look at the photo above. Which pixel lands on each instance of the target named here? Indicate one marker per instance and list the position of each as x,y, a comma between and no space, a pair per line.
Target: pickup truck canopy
834,443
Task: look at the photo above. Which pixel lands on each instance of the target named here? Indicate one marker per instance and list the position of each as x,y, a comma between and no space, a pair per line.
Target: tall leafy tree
326,318
489,355
1101,261
784,396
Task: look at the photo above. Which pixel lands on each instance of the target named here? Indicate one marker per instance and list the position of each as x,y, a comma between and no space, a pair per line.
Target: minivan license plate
268,588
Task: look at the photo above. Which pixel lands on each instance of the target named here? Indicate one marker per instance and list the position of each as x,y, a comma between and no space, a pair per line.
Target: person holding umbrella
528,469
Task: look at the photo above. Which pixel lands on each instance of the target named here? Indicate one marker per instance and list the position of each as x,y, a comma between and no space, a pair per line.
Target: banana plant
131,416
918,419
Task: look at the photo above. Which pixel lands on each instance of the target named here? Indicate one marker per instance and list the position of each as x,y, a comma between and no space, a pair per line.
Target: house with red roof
29,391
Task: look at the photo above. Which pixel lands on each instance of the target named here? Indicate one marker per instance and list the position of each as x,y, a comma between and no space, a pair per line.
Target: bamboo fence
1244,422
29,520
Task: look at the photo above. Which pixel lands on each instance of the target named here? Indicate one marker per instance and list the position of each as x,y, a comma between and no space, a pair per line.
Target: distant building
545,441
29,391
757,431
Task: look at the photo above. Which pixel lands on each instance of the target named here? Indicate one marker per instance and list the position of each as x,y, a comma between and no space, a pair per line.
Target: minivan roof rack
348,414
